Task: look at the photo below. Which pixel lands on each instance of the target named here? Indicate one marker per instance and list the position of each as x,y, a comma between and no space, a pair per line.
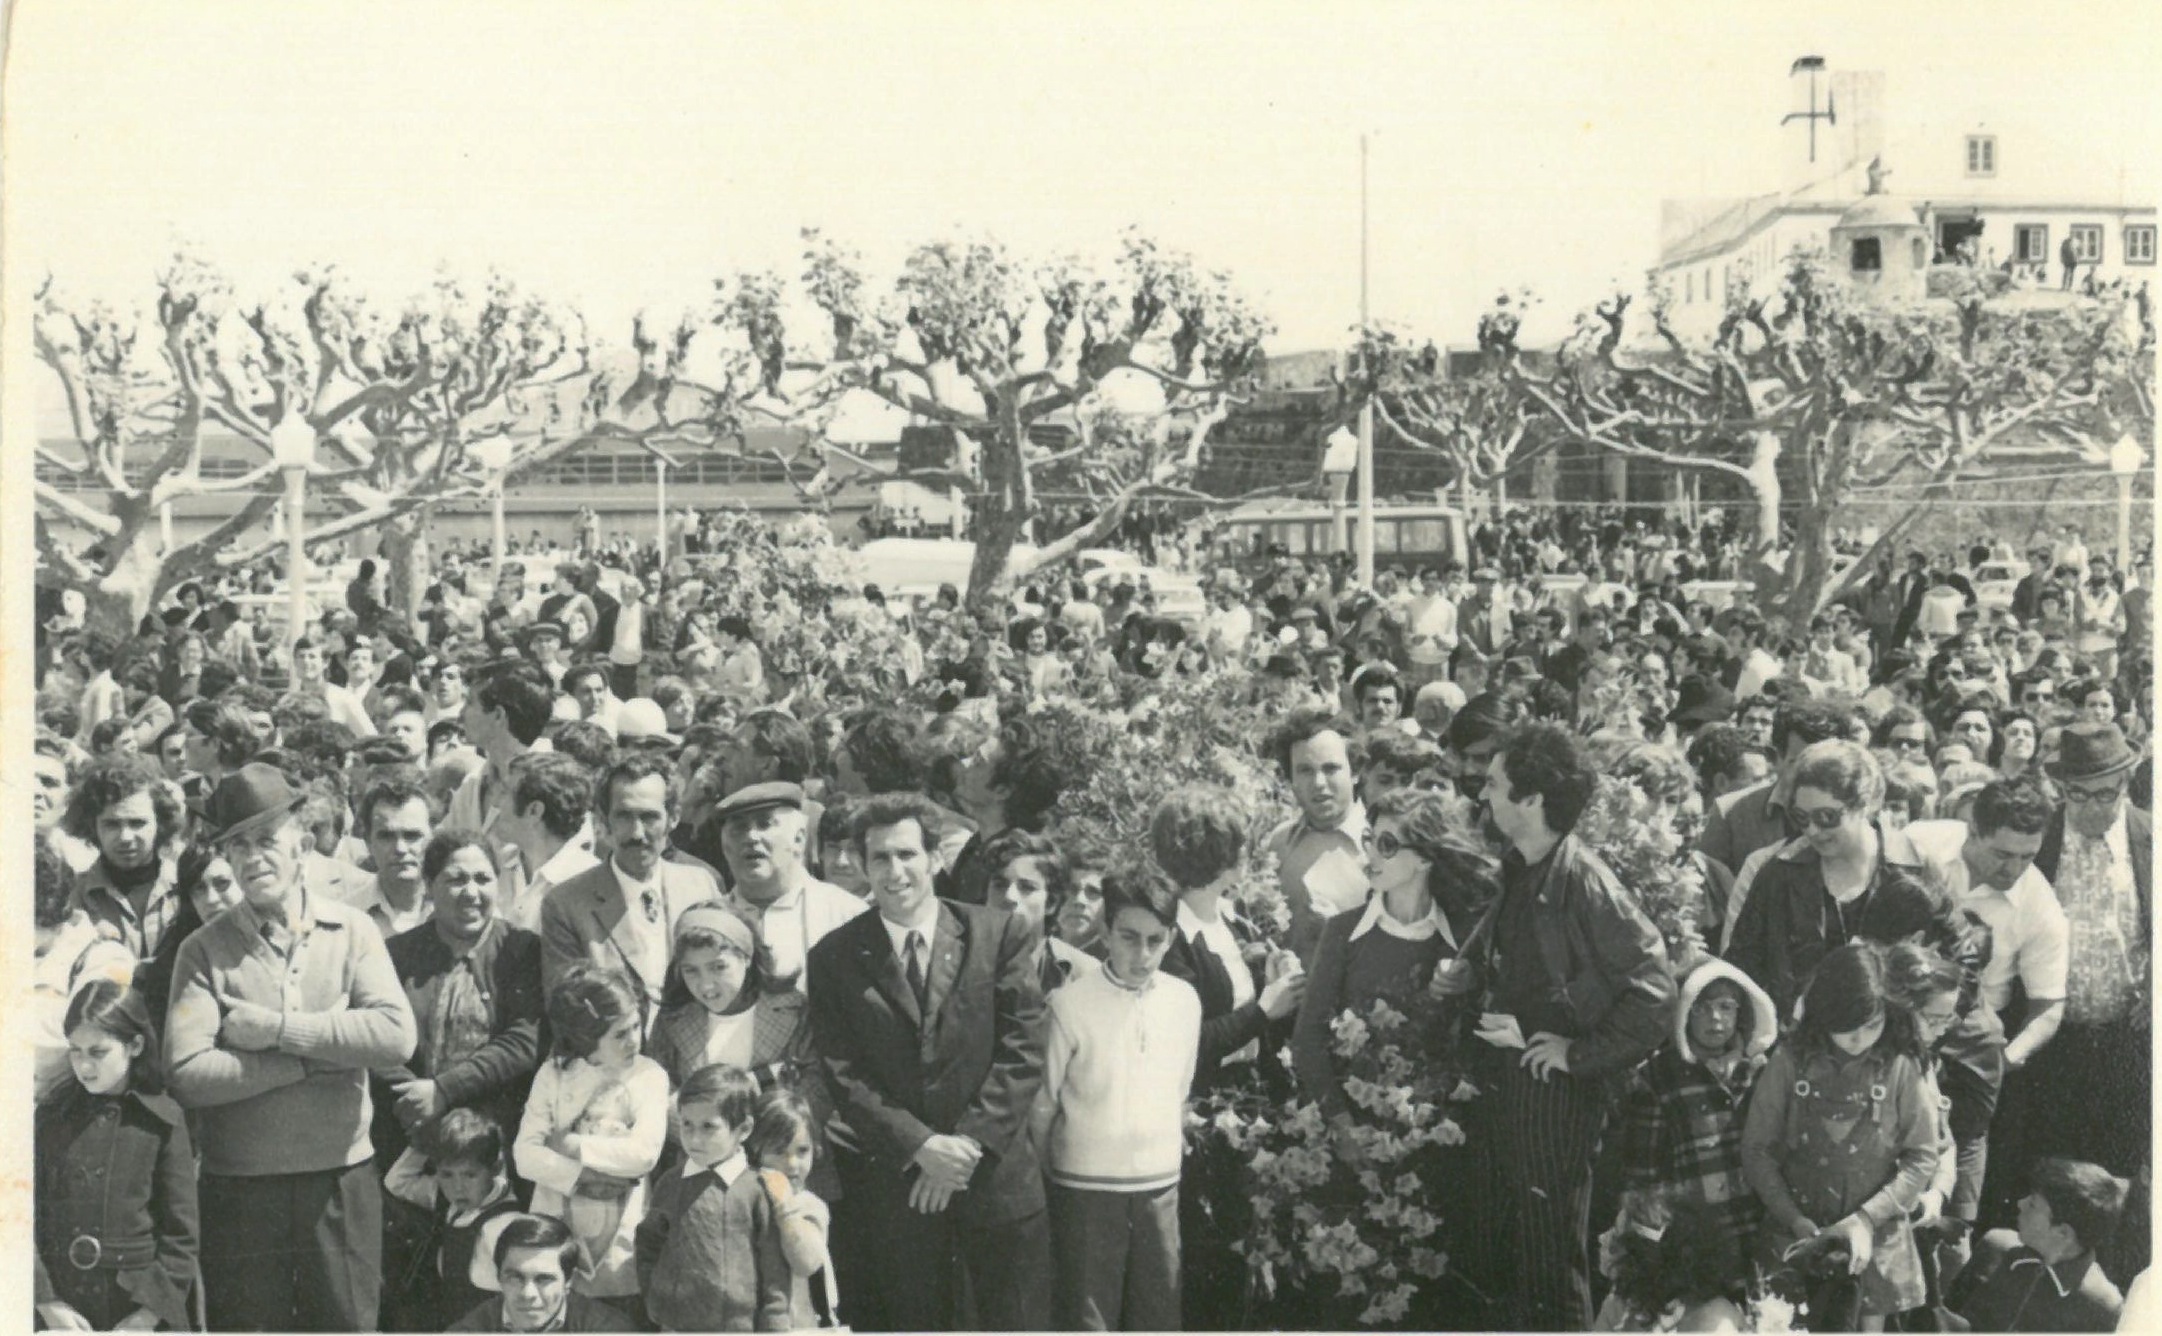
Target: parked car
1995,581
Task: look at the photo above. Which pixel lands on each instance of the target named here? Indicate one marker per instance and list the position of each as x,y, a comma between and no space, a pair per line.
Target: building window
1921,254
2030,243
1981,155
1689,281
1868,256
2087,243
2139,244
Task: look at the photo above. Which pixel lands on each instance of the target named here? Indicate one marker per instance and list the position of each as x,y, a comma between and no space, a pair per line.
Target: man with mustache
618,915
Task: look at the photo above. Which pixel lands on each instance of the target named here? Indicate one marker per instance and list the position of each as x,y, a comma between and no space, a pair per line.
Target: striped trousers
1543,1140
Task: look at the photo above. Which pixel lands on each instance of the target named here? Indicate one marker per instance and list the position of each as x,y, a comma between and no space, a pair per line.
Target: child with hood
1682,1117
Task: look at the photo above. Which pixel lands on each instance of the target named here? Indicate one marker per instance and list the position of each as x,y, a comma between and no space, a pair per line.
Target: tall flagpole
1366,410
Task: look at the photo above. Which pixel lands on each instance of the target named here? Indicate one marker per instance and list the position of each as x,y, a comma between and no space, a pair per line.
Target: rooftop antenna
1830,114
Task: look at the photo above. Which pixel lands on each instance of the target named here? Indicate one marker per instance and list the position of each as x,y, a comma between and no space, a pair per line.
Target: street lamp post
292,448
493,454
660,502
2126,459
1339,462
1366,410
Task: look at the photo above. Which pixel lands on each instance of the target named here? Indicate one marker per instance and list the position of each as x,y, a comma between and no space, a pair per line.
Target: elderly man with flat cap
763,832
280,1006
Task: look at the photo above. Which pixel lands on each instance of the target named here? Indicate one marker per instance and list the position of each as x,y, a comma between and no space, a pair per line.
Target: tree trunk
1771,584
1002,509
133,576
998,527
403,547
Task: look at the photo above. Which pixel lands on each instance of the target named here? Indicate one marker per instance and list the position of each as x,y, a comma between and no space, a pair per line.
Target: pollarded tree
1820,384
397,405
970,339
1480,424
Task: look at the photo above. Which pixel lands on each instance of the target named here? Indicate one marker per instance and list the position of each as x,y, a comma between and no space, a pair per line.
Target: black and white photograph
939,666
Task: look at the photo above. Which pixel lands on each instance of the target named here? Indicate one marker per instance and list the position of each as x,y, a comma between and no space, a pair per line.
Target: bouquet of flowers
1346,1211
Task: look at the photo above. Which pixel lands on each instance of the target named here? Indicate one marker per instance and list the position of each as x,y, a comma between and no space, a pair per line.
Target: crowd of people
719,945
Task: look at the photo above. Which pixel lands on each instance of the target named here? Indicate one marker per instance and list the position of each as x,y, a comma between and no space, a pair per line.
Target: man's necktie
651,900
917,983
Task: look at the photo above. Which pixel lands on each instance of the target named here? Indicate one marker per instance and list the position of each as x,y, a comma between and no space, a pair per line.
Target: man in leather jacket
1583,974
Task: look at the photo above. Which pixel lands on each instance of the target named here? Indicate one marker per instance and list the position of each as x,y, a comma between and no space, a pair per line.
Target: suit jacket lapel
613,898
947,941
884,967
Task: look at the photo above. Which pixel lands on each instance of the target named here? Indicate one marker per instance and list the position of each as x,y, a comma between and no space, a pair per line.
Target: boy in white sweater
1118,1064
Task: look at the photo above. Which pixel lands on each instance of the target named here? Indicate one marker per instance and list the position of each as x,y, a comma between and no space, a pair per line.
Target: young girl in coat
783,1146
594,1125
1842,1134
116,1240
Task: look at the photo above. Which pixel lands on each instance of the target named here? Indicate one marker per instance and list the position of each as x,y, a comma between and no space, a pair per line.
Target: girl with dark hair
1844,1129
1675,1267
722,1003
783,1146
595,1124
116,1240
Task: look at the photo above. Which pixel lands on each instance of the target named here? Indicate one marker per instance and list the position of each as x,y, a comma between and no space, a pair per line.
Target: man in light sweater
279,1009
1118,1064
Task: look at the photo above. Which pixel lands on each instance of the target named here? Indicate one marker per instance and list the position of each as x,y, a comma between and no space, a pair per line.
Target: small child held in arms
454,1171
1843,1130
709,1249
783,1147
1120,1050
115,1199
595,1124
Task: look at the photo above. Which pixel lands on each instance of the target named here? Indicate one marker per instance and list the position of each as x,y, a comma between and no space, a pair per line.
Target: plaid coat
1682,1133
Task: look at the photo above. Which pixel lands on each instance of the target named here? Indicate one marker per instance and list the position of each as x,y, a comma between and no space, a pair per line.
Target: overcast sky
622,155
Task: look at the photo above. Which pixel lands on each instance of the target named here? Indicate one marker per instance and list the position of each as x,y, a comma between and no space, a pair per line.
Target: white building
2004,195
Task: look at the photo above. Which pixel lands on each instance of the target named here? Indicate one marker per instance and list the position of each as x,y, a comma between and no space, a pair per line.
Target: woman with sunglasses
1430,876
1807,897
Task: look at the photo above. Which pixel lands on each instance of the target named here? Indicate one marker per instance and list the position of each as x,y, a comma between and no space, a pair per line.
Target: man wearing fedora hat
280,1006
2091,1085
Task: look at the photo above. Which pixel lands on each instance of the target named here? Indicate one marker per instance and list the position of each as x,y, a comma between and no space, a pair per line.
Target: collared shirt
108,906
783,925
2030,939
390,919
646,912
1215,935
302,1106
728,1170
2100,896
576,856
926,925
1322,872
1377,915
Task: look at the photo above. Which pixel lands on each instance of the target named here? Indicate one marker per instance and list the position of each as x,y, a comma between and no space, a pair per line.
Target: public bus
1406,535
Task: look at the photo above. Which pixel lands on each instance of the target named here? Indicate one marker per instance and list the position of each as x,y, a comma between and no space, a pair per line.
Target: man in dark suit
928,1016
1913,583
619,914
2027,594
